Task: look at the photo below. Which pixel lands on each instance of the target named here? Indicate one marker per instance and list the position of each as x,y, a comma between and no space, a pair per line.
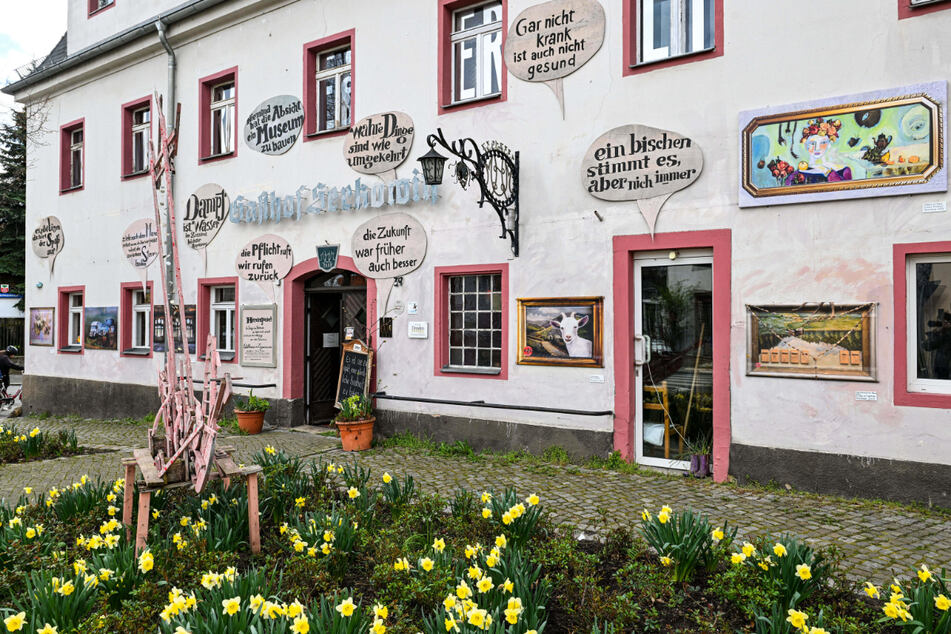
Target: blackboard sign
354,376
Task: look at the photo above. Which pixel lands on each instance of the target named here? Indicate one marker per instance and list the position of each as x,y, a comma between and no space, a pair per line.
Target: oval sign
273,127
265,259
48,238
205,213
140,243
389,246
554,39
379,143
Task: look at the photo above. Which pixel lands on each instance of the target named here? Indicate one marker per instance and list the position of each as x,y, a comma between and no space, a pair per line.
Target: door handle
646,356
647,349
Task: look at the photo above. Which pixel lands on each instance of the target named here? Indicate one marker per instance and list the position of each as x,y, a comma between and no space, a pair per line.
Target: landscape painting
101,324
822,341
560,331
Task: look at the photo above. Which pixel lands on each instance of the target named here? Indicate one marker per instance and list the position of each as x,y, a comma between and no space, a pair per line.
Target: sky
28,30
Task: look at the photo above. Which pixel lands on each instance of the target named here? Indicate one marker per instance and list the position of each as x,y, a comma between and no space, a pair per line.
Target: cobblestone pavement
877,540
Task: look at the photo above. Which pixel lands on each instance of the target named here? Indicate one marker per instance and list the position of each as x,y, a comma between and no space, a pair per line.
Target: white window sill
454,369
672,57
137,352
466,102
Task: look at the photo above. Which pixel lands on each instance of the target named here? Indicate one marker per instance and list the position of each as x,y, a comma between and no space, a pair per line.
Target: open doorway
336,310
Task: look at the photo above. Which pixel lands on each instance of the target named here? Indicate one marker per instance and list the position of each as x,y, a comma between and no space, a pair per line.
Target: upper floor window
72,156
912,8
136,135
98,5
218,115
333,89
476,58
672,28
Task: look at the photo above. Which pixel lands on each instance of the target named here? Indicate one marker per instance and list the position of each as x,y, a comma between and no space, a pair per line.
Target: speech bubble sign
389,246
48,239
140,243
637,162
273,127
205,212
265,260
378,144
549,41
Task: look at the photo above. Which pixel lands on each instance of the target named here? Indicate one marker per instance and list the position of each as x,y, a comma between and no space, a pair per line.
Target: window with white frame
222,118
334,87
672,28
475,321
222,318
104,3
929,323
476,42
75,319
141,310
76,158
141,128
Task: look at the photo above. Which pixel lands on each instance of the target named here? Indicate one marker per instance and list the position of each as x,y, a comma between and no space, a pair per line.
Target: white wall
834,251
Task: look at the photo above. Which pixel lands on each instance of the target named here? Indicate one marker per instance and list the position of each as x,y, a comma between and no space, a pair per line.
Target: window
470,60
472,320
661,33
913,8
218,115
136,135
328,85
217,299
95,6
72,156
70,318
135,319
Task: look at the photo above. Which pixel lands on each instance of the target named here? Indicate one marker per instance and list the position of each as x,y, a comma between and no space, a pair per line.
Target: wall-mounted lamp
492,165
673,255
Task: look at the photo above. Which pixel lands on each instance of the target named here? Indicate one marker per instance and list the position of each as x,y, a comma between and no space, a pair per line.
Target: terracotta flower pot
250,422
356,435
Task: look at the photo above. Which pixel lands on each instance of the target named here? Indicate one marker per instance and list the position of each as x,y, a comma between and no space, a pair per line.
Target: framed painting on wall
812,341
883,143
561,331
42,326
101,327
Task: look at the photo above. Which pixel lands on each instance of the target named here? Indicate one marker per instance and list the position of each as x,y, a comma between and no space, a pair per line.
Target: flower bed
25,446
347,552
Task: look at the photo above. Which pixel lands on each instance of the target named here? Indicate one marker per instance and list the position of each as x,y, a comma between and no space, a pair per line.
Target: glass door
673,352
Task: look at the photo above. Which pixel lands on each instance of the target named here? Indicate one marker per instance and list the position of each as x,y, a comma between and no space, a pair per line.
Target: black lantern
492,165
433,164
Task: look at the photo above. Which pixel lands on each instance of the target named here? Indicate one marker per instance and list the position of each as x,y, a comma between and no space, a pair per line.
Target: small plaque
412,308
596,378
934,207
331,339
866,396
418,330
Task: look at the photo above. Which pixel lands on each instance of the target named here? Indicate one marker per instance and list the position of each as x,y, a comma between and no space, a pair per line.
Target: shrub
251,404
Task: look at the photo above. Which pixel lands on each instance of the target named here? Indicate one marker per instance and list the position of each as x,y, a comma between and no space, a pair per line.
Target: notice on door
259,336
331,339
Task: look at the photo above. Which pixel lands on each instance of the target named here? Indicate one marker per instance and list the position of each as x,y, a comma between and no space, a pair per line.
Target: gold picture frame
561,331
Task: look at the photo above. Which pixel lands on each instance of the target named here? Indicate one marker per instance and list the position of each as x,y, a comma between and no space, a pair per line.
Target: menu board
259,336
354,371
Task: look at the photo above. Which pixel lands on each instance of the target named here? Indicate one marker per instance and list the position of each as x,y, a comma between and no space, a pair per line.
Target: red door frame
624,413
294,315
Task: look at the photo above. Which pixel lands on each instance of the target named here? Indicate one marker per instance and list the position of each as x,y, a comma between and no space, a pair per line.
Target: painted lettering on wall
389,246
48,239
379,143
636,162
268,207
140,243
273,127
205,213
265,259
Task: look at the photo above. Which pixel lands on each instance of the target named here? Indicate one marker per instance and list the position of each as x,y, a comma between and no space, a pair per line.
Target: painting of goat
560,331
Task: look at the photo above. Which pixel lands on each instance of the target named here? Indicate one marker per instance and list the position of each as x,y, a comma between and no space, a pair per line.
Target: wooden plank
142,527
254,519
147,466
227,466
127,496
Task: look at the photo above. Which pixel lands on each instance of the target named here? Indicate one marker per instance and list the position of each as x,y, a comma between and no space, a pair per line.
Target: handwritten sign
140,243
48,239
636,162
205,213
265,260
354,375
379,143
549,41
389,246
273,127
259,336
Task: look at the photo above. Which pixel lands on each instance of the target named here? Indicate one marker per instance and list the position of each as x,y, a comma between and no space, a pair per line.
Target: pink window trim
203,316
91,9
125,317
64,142
629,21
295,327
311,50
444,59
62,321
900,304
441,318
205,85
905,10
624,413
126,122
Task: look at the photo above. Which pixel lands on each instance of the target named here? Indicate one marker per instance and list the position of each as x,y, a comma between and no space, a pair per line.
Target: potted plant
250,413
701,451
355,423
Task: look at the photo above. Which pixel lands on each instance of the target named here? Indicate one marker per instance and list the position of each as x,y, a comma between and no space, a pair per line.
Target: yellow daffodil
486,512
508,586
378,627
532,500
79,567
112,510
15,622
470,551
439,545
269,450
463,591
942,602
184,521
485,584
500,541
450,624
737,558
748,549
890,610
387,478
507,518
47,629
113,540
449,602
104,574
491,560
401,564
803,572
299,546
34,432
326,548
478,618
486,497
780,550
663,517
66,589
475,572
181,630
924,574
30,533
797,619
346,607
28,490
353,493
231,606
666,561
871,590
817,630
426,563
146,561
299,502
646,515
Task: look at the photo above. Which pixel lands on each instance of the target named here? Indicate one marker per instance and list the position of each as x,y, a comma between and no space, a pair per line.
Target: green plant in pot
355,423
250,413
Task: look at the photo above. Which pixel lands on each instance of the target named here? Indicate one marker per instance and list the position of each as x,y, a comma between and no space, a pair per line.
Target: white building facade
549,347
